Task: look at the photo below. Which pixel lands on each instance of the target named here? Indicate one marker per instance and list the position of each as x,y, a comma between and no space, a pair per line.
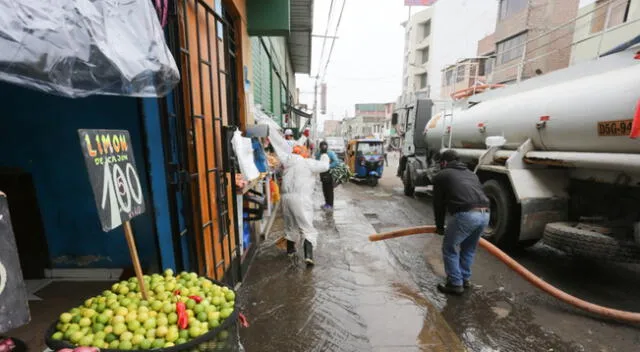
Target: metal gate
200,164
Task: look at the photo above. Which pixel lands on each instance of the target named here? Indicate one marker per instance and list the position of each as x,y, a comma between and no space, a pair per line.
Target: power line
333,42
324,40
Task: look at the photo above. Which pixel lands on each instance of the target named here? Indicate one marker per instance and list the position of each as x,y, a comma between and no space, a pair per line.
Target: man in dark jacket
458,191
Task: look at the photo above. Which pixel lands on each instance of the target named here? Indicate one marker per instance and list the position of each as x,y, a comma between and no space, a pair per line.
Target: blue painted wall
38,134
159,182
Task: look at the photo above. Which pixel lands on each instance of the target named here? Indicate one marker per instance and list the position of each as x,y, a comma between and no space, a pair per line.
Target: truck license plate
614,128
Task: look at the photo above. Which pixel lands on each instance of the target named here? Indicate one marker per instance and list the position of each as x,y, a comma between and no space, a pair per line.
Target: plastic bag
244,152
77,48
259,155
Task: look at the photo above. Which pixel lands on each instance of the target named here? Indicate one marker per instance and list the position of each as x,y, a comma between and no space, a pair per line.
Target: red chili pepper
198,299
243,320
176,292
183,318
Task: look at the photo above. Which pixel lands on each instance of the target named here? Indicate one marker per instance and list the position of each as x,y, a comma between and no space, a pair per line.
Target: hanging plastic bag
259,155
244,152
77,48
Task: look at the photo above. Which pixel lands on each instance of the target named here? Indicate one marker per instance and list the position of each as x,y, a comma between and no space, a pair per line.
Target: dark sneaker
466,284
450,289
291,247
308,253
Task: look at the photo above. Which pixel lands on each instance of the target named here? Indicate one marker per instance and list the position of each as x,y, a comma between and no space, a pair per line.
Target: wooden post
128,232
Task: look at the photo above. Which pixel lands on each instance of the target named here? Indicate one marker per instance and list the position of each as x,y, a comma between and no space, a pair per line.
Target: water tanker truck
557,155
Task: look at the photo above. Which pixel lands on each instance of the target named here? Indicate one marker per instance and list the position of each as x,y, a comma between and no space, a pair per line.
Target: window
449,77
511,49
510,7
614,10
460,74
422,80
425,28
488,67
424,53
473,70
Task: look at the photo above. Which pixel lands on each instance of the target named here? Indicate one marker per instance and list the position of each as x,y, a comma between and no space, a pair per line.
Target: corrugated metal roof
299,40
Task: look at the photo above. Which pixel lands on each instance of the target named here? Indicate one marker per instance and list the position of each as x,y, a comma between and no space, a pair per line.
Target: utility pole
314,118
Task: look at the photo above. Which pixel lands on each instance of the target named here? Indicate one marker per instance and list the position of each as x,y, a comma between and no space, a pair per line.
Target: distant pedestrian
458,191
325,177
386,161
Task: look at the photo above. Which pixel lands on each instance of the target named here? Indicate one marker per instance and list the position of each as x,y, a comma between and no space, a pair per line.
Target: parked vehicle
365,158
554,154
337,145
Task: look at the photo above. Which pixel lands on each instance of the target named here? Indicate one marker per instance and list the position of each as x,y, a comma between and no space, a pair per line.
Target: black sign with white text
108,155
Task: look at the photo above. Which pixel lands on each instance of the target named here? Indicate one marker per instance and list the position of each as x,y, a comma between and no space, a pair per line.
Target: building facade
438,36
603,25
530,38
280,47
332,128
368,122
464,74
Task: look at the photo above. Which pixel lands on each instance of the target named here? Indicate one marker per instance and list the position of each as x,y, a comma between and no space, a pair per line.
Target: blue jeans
460,241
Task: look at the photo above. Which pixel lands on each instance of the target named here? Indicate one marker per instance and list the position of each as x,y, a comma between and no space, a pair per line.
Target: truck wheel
503,229
409,189
566,237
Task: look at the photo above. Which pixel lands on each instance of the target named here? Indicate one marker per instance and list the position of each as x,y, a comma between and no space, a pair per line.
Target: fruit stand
183,312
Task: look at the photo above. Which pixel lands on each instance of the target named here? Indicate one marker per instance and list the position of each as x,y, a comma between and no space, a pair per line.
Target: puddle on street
355,299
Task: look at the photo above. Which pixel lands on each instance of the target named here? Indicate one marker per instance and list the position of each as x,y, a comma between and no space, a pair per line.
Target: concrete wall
39,136
487,45
588,46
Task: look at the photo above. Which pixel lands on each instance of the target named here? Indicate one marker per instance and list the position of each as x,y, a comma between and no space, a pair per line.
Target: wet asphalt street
381,296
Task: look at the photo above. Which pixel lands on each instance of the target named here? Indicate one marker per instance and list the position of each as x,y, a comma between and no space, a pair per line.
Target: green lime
125,345
57,336
114,345
202,316
110,338
145,344
214,323
150,323
126,336
226,312
172,318
158,343
191,304
137,339
184,334
66,317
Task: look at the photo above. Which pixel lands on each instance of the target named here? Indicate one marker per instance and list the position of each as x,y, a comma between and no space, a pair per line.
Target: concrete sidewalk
356,298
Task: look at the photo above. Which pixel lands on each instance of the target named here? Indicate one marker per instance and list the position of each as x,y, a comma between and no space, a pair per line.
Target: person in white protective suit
297,201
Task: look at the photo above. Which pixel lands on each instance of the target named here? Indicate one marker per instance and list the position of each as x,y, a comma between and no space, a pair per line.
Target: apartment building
602,25
368,122
440,35
464,74
527,39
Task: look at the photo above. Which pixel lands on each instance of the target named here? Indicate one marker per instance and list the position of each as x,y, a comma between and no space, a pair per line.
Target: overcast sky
366,64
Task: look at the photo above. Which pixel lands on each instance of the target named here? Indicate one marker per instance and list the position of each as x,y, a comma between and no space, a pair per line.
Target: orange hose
611,313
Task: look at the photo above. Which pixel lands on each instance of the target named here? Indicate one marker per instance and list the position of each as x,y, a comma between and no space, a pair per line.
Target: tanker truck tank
590,114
